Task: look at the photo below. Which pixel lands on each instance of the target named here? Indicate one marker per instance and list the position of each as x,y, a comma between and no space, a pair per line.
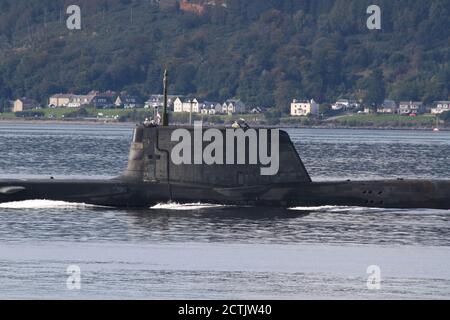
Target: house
157,101
209,107
218,108
233,106
128,102
93,98
24,104
60,100
207,111
78,101
441,107
344,104
304,108
367,110
188,105
341,104
387,107
178,105
410,108
103,100
256,110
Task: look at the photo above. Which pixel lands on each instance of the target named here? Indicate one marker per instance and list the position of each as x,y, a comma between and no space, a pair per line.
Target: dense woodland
265,52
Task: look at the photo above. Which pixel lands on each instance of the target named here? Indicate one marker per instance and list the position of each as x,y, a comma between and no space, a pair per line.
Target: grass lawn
63,113
353,120
7,115
386,119
58,113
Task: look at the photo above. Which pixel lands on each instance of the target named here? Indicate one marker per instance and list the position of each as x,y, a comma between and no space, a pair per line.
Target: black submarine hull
116,193
153,177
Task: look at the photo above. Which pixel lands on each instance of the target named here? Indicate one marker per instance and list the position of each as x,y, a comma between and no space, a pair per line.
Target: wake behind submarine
152,176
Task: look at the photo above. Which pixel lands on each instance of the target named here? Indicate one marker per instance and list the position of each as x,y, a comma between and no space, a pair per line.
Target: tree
263,51
375,90
445,116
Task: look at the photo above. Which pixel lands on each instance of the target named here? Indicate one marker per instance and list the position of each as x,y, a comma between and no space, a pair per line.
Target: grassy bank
384,121
138,115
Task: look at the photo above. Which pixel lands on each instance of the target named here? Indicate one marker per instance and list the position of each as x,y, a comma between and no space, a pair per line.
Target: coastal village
111,100
180,104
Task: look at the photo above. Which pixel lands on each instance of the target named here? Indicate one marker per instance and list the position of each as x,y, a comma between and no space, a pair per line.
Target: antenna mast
165,116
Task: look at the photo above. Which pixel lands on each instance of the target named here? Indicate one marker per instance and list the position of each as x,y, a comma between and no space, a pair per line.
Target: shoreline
69,122
287,126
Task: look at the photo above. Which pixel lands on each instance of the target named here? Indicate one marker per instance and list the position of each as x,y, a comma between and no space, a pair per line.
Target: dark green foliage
265,52
445,116
29,114
79,113
375,92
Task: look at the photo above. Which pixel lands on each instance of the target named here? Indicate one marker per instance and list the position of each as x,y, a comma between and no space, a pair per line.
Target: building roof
62,95
160,97
108,93
129,98
211,104
411,103
304,101
389,104
189,99
233,101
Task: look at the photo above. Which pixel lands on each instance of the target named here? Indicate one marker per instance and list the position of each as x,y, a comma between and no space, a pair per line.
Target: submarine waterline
151,178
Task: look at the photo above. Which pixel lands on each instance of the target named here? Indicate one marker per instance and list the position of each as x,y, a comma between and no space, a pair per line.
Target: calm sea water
200,251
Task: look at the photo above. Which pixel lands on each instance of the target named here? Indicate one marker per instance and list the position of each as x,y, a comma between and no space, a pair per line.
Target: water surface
200,251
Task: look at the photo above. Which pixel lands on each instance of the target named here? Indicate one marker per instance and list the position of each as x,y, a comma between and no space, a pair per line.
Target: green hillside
265,52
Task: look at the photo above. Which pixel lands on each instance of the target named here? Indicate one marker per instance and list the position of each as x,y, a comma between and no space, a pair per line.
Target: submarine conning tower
150,160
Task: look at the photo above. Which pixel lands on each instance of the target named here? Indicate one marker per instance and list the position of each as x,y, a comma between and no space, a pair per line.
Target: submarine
153,175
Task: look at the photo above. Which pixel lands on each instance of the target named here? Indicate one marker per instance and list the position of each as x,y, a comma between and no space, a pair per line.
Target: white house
441,107
60,100
345,104
340,105
207,111
187,105
304,108
76,101
178,105
233,106
209,108
411,107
